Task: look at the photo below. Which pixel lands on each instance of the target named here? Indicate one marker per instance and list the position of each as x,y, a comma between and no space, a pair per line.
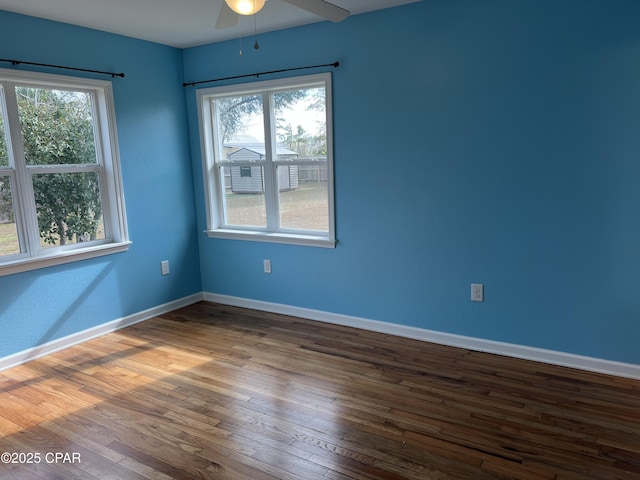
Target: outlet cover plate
477,292
164,267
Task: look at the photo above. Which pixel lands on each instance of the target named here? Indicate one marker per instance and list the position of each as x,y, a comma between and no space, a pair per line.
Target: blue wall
493,142
43,305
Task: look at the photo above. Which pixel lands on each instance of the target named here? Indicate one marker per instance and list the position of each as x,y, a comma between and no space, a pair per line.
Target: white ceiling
179,23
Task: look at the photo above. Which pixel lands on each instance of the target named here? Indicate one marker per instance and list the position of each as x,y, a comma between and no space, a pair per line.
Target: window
268,163
60,187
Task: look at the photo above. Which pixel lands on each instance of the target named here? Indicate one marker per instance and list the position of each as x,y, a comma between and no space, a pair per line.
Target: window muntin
60,186
280,132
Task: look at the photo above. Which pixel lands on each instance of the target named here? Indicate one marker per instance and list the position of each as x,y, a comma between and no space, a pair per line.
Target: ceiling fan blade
322,9
227,18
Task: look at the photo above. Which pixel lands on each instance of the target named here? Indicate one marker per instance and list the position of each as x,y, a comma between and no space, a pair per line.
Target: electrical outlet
164,267
477,292
267,266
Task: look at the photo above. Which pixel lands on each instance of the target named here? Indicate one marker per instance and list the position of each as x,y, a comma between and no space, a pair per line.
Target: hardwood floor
217,392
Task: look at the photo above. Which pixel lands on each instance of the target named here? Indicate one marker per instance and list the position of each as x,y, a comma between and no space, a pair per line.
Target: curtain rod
18,62
190,84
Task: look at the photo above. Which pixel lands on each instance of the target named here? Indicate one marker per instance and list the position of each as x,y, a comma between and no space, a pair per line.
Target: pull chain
255,27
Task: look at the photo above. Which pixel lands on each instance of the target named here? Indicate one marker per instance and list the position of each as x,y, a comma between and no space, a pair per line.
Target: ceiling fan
230,10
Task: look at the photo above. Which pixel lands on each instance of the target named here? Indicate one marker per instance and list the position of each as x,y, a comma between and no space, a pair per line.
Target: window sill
60,258
287,238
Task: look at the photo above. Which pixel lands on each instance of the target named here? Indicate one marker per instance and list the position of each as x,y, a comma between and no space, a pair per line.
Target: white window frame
213,185
107,166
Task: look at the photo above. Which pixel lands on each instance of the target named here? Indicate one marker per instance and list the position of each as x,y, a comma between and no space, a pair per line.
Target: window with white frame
268,162
60,186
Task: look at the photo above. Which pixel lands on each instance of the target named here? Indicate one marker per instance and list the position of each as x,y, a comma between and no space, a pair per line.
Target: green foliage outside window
57,129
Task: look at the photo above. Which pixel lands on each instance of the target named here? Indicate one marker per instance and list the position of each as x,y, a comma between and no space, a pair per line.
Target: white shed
250,178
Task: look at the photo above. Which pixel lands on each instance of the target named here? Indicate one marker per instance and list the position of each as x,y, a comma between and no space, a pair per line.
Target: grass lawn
9,244
8,239
304,208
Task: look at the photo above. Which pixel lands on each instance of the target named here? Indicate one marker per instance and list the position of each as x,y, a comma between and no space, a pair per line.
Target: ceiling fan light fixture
246,7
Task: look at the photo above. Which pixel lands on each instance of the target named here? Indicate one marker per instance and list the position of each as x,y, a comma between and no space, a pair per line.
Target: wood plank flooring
216,392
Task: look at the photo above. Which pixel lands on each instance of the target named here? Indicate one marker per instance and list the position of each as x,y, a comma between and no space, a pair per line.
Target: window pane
301,133
240,125
4,156
9,244
244,201
303,203
270,155
57,126
301,123
68,207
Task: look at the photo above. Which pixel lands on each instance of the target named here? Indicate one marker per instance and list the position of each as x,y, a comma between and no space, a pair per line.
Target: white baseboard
64,342
477,344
